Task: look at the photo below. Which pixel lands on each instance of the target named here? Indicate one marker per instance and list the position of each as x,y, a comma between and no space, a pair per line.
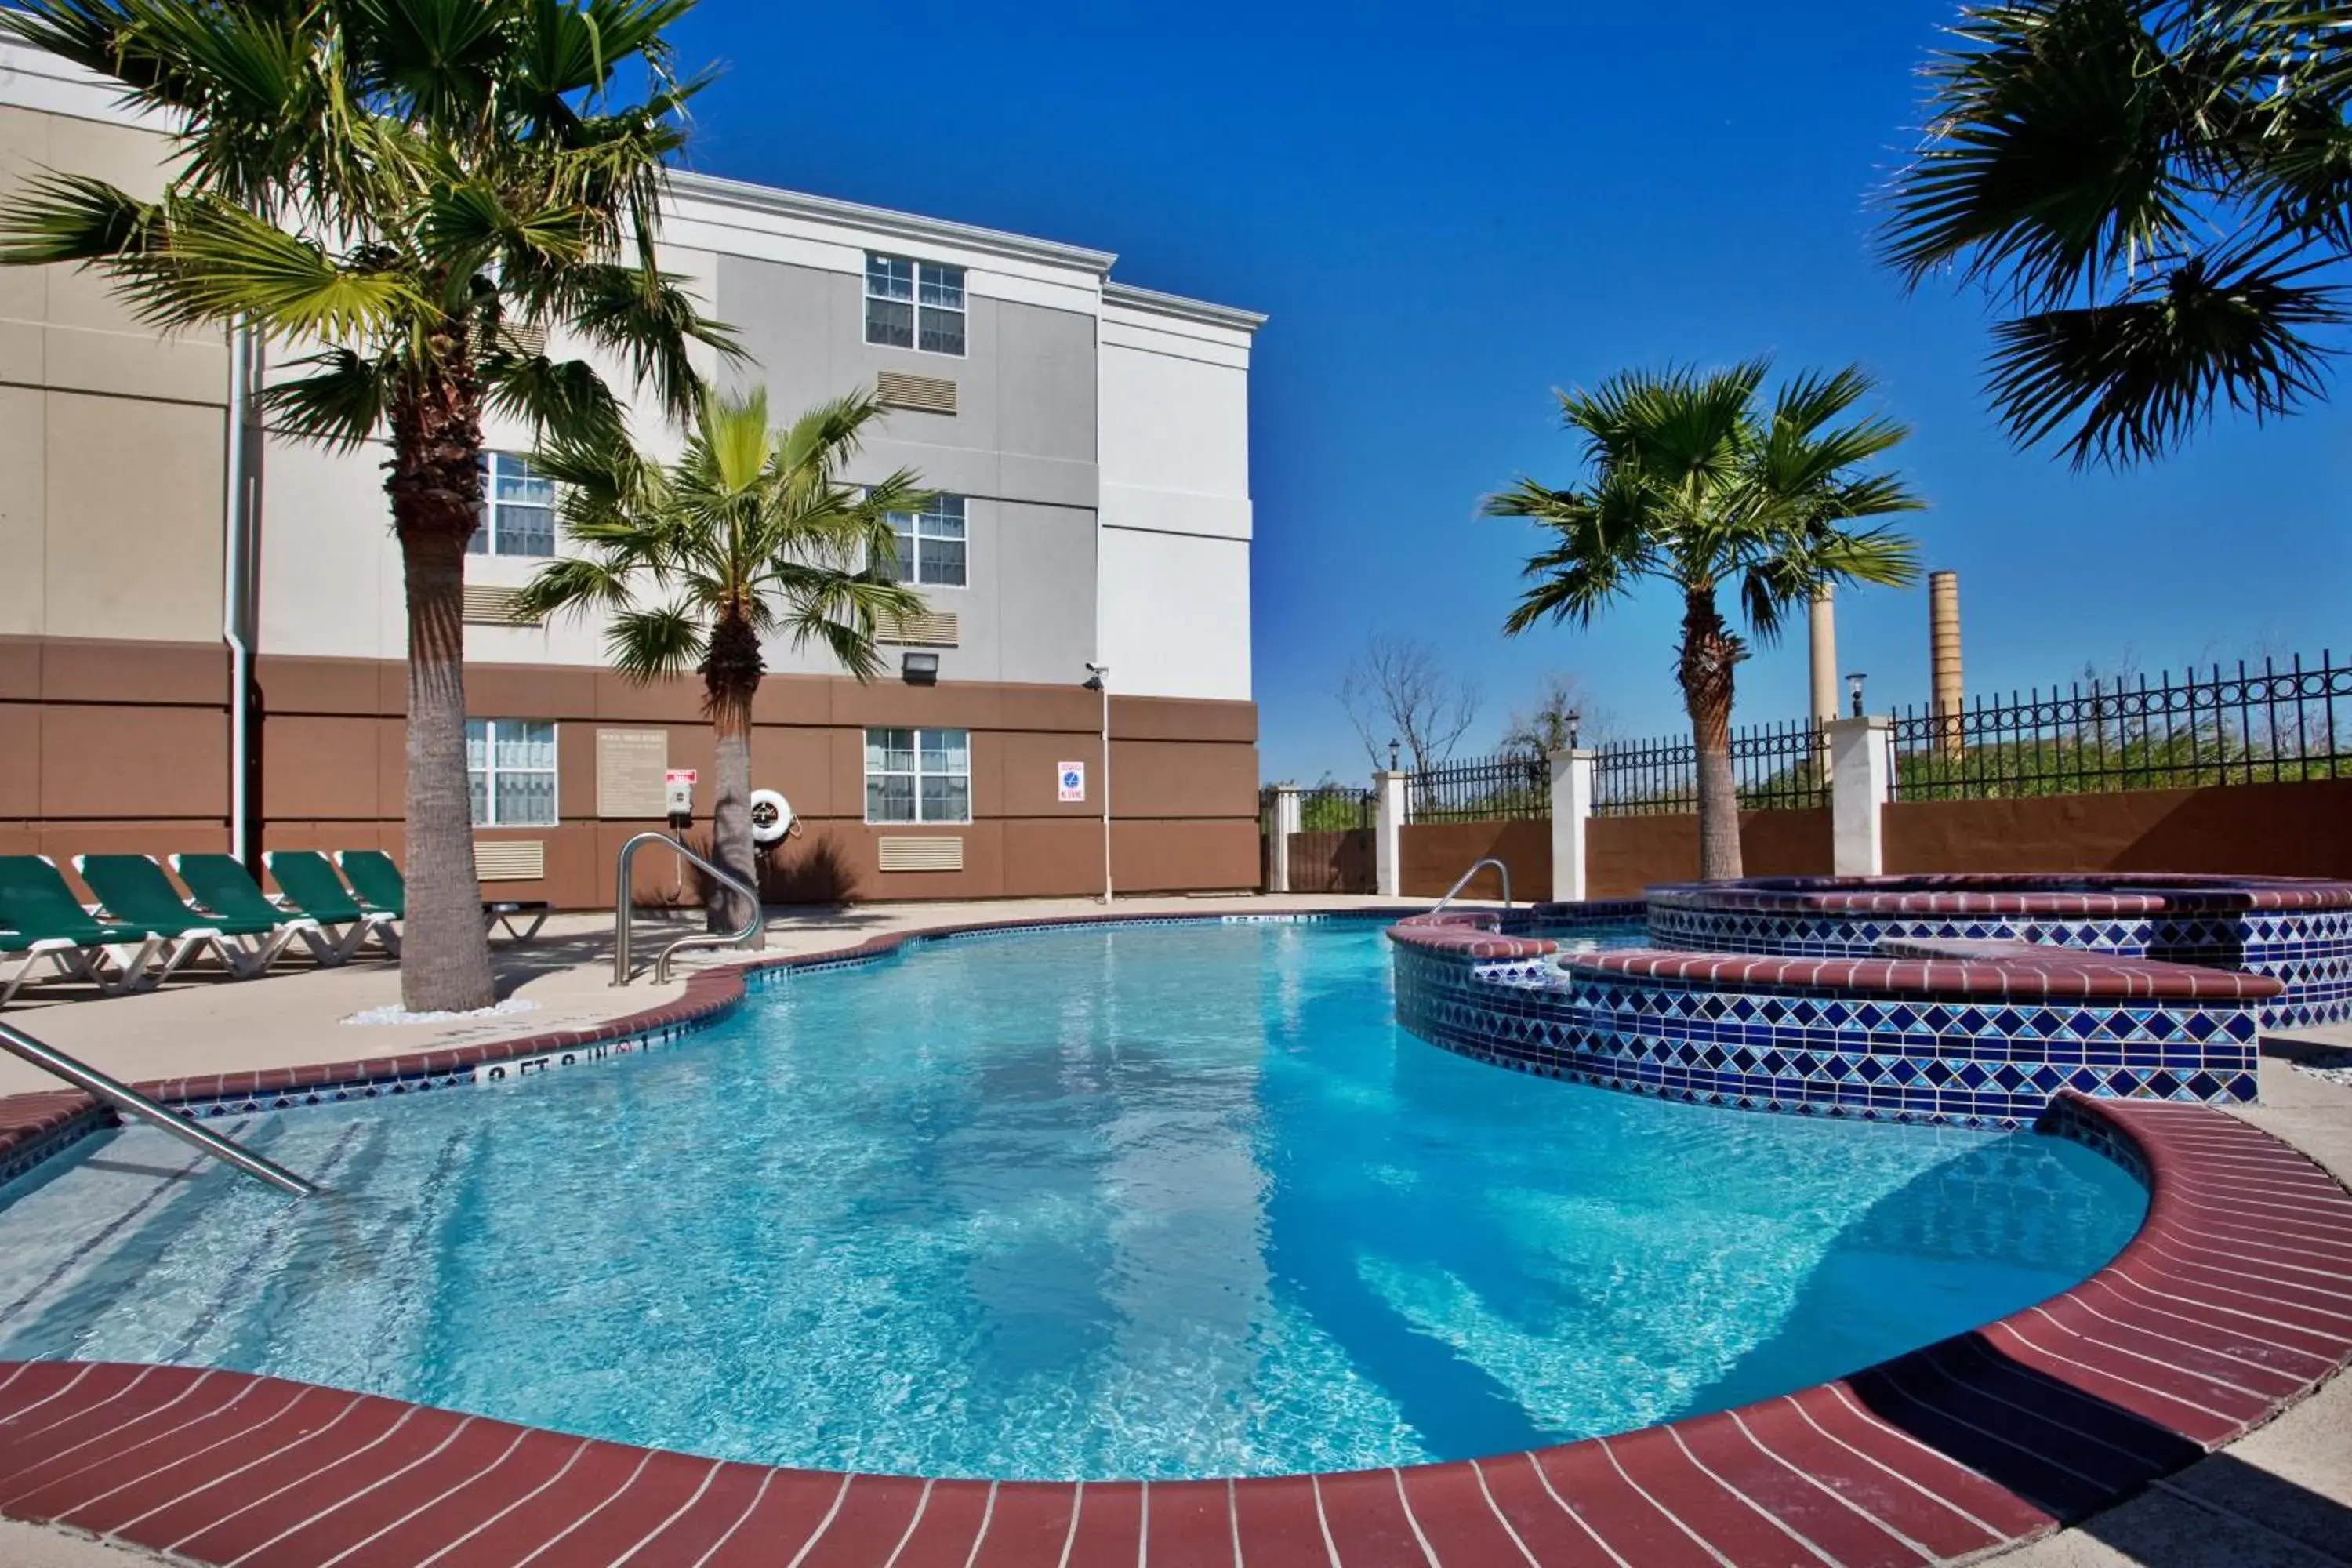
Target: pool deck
2154,1386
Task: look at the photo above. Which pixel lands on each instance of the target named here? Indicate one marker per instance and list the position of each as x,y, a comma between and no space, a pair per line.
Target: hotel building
1088,440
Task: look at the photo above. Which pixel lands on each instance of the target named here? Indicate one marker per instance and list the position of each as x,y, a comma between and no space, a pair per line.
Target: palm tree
2155,192
1691,481
412,191
750,534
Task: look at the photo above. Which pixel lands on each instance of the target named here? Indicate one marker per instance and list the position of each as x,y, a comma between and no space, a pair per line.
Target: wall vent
524,340
922,854
934,629
489,606
510,860
927,393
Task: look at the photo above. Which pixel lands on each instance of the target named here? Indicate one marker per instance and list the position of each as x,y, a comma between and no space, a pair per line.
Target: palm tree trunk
445,951
731,679
1709,652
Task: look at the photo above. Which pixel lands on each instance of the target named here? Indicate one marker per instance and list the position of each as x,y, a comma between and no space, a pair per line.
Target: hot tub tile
1554,1533
2194,1410
1838,1412
1655,1462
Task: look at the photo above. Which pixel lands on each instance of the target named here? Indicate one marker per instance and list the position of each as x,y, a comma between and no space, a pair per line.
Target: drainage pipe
237,593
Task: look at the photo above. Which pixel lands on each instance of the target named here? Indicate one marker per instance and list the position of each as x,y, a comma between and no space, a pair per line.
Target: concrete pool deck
2281,1494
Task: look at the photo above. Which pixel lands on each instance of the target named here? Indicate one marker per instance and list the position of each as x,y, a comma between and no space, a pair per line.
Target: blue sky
1448,212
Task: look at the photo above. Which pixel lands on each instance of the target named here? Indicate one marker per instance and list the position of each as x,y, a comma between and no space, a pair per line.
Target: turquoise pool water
1163,1202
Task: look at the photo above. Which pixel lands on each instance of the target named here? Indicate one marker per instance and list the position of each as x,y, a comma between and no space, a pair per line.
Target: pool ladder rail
130,1102
1464,880
624,910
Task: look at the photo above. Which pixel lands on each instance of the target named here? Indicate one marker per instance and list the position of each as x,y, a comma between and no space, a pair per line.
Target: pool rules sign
1072,779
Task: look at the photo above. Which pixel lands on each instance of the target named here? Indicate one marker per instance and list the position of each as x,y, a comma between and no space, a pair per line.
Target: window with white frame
932,543
919,775
914,304
517,508
510,770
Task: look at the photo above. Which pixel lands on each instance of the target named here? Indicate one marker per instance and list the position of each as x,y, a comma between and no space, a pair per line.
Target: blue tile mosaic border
1955,1059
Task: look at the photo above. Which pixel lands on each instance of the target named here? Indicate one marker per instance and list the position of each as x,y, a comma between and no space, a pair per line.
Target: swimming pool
1156,1202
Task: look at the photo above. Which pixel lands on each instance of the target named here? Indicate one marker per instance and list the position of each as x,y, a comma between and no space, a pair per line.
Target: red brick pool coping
2233,1300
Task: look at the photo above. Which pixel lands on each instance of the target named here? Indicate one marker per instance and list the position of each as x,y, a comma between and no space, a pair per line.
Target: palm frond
646,646
75,217
344,399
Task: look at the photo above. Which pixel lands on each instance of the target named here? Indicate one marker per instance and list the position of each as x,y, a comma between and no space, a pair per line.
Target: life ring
772,821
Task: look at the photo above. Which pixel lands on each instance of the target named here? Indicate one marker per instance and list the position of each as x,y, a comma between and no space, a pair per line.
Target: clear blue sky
1447,212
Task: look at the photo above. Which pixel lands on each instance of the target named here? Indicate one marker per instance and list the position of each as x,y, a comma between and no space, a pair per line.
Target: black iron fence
1507,787
1774,767
2249,724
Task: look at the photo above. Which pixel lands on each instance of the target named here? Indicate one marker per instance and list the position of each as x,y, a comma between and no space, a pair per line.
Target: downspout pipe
237,595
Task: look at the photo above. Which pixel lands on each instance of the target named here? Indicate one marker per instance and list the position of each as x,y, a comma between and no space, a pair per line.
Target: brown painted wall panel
1431,855
343,686
532,691
20,760
1183,857
20,667
134,763
1026,777
327,767
76,670
2280,829
1180,718
1046,857
1631,853
1177,778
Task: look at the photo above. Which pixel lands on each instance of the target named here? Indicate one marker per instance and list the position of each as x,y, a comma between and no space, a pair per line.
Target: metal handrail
1464,880
624,910
124,1098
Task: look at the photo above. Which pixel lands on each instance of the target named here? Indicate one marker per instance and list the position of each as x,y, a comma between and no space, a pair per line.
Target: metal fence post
1862,776
1388,834
1571,808
1286,823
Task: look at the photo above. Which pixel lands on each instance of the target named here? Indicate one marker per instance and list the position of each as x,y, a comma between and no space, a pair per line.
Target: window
914,305
919,775
518,509
510,768
930,544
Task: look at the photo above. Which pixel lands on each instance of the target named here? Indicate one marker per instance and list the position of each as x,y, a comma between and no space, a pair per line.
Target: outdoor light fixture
920,669
1575,719
1393,756
1853,691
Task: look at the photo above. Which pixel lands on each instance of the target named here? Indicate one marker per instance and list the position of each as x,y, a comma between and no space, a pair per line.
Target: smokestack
1944,655
1824,649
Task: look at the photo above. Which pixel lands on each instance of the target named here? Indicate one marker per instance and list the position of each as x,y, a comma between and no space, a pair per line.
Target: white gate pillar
1388,830
1571,808
1286,823
1861,781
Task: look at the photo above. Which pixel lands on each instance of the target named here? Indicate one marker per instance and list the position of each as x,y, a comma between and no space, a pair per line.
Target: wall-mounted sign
629,767
1072,779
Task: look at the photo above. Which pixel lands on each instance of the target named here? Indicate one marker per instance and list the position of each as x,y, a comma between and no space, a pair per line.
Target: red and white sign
1071,779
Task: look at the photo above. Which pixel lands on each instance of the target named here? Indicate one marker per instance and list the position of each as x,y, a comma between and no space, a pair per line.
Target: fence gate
1333,850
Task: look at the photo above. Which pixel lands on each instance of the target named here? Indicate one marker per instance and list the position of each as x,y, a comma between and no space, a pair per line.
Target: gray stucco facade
1021,449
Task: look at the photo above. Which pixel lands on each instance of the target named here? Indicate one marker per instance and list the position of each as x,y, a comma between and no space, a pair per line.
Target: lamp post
1853,691
1098,680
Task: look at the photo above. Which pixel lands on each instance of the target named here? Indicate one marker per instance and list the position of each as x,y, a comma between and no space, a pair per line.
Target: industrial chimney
1944,658
1824,651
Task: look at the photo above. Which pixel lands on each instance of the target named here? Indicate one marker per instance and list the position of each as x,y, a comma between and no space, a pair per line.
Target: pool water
1160,1202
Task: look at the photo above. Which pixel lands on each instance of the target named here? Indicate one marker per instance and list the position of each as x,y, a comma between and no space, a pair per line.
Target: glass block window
919,775
914,305
518,509
511,769
932,543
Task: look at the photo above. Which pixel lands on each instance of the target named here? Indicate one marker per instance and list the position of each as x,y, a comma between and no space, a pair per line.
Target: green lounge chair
134,890
307,883
226,891
377,881
41,920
